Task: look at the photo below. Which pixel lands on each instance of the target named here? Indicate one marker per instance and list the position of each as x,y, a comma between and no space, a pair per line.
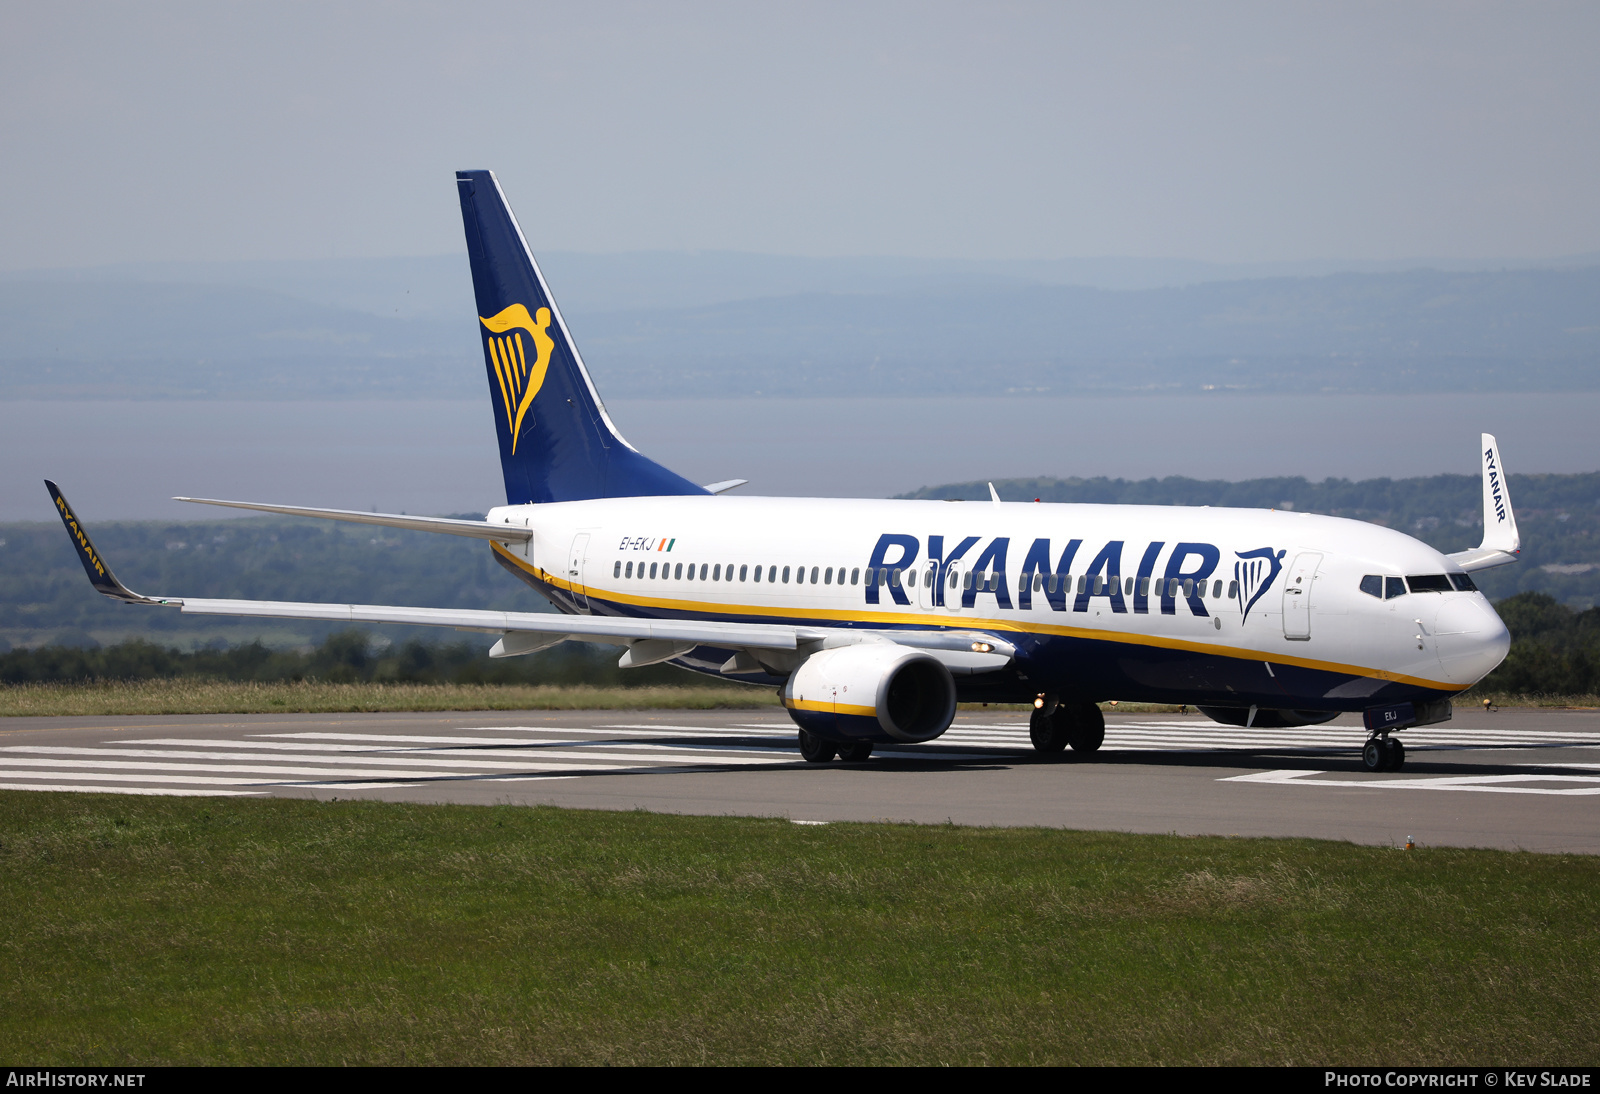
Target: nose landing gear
1383,754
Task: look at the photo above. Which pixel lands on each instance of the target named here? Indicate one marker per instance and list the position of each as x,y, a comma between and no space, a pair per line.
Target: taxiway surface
1515,779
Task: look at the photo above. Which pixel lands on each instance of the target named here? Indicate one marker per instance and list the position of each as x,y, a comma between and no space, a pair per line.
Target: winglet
100,575
1499,522
994,495
1501,541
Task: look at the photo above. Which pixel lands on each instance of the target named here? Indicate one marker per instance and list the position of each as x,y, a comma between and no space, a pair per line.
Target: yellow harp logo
518,382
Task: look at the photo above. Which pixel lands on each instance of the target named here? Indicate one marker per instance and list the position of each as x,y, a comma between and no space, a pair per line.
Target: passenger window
742,570
758,572
853,574
690,574
1463,583
679,574
703,569
894,579
653,569
630,570
1127,587
1393,587
1216,590
716,572
1144,585
1038,581
966,580
1372,585
827,576
616,571
1233,589
1054,583
1173,587
1083,584
1188,586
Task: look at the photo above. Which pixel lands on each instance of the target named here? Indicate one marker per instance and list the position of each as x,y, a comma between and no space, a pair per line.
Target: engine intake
875,691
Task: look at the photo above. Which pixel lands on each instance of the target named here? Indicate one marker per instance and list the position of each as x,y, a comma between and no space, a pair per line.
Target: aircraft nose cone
1472,639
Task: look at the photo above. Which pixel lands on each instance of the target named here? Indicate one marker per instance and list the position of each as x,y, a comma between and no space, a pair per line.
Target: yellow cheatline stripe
830,708
933,621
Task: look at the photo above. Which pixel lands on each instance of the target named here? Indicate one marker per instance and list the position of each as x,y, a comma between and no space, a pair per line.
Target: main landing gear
1074,722
1383,754
817,750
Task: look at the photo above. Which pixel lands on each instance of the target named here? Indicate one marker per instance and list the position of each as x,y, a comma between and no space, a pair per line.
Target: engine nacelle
874,691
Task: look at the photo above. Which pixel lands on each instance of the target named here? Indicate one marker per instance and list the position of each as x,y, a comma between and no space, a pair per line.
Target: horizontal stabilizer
724,486
477,529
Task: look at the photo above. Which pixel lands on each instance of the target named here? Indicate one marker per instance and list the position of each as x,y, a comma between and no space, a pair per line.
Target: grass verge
188,696
144,930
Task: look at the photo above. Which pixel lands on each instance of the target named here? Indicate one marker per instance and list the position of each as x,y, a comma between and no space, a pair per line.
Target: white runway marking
1481,784
259,763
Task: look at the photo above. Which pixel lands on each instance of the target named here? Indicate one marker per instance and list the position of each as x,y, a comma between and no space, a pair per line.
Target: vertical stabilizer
556,441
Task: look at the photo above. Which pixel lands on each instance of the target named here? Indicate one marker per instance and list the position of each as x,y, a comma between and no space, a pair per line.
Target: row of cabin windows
706,571
1387,588
1098,585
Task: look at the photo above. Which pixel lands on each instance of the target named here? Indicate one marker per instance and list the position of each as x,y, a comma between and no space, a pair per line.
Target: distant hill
880,327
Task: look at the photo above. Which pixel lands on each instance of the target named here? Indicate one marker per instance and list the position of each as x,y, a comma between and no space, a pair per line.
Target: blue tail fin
556,441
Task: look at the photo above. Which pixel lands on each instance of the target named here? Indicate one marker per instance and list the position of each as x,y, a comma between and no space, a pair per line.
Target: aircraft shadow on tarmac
923,759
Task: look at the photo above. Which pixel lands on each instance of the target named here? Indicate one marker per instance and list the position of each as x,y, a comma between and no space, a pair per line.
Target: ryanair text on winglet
83,541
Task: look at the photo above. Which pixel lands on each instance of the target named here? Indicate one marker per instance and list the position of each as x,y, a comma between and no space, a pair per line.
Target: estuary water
124,460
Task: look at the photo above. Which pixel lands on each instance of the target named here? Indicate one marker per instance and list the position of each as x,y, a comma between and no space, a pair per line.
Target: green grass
191,696
141,930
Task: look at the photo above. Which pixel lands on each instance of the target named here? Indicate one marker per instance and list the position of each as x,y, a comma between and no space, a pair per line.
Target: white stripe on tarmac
532,747
109,776
152,790
532,753
1481,784
405,759
263,770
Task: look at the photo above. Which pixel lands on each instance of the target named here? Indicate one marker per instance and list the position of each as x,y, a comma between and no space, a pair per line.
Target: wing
477,529
648,640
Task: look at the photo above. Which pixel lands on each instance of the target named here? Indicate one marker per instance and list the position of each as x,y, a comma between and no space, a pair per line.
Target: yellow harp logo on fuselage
519,383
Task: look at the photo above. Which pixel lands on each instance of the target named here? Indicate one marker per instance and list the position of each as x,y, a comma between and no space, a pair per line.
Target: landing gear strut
1383,754
1077,723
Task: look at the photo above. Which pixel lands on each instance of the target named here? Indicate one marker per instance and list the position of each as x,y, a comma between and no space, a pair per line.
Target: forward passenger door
1297,595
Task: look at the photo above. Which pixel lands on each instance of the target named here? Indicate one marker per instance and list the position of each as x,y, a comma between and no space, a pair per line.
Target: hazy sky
137,131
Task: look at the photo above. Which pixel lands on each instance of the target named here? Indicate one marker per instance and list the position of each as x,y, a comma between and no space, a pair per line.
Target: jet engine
874,691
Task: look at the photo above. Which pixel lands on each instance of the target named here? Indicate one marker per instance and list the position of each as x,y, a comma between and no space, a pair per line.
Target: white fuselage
1182,604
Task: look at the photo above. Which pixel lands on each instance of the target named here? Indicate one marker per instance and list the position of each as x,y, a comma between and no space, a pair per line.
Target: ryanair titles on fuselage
1045,573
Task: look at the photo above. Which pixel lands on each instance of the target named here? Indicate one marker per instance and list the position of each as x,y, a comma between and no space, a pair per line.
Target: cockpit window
1393,587
1372,585
1463,583
1429,583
